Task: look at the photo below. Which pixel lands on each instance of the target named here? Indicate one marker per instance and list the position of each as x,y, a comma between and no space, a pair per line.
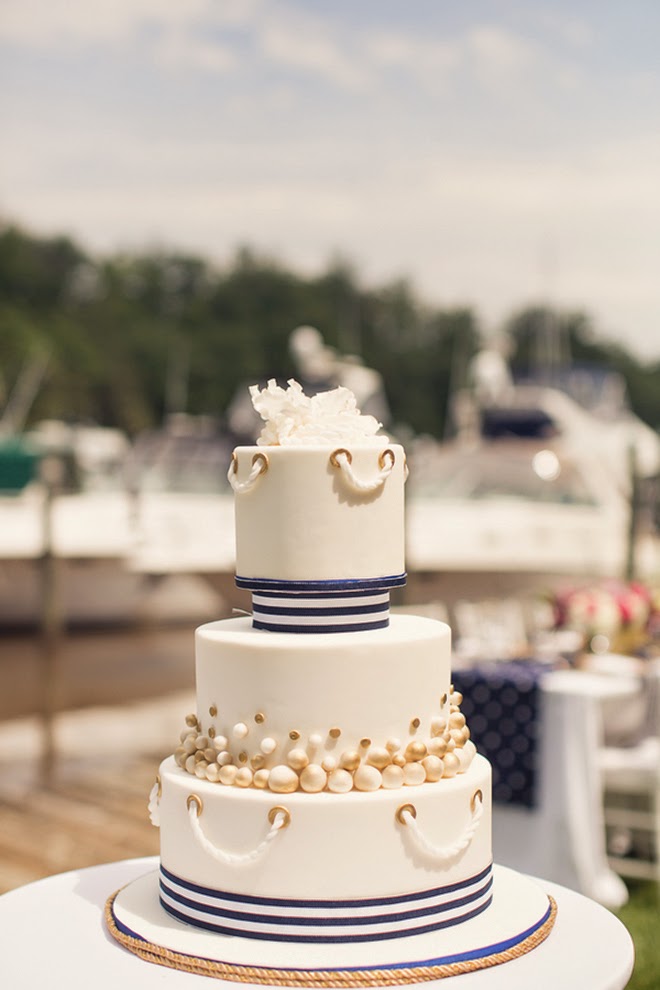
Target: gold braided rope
344,979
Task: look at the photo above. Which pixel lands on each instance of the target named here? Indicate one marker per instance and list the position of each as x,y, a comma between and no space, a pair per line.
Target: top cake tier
320,515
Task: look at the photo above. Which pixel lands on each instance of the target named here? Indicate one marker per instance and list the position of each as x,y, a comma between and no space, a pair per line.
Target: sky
496,154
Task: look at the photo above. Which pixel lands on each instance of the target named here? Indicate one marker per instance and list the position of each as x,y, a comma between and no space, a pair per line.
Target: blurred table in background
542,729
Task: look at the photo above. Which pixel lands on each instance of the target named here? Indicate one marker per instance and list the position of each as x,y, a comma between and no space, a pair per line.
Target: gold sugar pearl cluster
369,767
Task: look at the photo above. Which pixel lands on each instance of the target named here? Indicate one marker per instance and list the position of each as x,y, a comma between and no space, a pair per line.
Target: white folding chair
630,778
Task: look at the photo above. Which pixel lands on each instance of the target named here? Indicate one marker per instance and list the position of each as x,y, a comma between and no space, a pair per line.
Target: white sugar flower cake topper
292,417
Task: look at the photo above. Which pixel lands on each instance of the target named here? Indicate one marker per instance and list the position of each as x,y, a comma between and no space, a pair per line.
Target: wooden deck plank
94,809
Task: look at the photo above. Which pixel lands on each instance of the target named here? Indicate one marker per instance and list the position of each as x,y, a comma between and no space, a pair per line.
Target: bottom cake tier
519,918
325,868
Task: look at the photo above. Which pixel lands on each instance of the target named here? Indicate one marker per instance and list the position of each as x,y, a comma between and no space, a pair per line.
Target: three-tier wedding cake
325,818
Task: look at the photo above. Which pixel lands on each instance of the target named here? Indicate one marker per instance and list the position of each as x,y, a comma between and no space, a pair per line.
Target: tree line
126,338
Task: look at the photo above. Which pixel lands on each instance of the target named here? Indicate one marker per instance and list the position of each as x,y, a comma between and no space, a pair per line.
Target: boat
83,537
534,489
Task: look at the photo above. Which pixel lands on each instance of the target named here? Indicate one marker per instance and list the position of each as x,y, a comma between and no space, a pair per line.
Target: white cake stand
55,927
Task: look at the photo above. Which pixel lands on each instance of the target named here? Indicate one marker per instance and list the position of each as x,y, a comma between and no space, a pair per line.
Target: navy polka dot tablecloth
501,706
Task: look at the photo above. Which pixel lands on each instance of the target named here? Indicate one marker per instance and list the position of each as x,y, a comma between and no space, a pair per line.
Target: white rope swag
259,465
154,805
442,854
279,818
342,459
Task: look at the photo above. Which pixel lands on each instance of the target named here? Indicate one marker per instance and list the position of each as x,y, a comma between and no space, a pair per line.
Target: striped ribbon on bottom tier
331,921
321,606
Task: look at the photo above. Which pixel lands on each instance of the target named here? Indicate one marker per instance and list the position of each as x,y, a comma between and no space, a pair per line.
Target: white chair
630,779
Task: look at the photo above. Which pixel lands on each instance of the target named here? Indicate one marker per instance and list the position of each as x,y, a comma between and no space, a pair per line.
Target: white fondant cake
304,522
326,791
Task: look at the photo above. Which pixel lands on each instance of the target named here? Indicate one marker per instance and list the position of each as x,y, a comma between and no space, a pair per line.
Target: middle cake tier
365,693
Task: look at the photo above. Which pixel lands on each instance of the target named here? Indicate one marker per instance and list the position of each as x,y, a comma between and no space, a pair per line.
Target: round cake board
519,918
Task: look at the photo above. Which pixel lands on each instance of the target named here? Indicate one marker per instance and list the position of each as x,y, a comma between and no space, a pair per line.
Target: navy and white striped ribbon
321,606
366,920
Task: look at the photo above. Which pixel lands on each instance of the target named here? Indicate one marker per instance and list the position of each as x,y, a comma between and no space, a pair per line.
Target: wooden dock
94,808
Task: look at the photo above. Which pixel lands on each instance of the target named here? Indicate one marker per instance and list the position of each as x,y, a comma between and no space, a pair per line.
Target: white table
563,838
53,932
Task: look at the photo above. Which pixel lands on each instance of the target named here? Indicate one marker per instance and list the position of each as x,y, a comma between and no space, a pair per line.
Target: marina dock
121,699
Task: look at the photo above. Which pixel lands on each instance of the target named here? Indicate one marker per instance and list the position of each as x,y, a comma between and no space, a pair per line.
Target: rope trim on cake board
341,979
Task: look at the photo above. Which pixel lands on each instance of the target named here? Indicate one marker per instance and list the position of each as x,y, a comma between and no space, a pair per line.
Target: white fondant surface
302,521
518,904
337,845
368,684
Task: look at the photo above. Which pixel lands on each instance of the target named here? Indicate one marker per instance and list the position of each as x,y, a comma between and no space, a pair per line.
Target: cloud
43,23
311,50
451,153
201,34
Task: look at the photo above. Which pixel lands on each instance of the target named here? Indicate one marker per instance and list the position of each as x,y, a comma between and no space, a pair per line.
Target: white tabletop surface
53,934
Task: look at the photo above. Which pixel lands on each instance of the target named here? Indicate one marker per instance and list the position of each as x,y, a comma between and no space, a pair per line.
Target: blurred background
453,211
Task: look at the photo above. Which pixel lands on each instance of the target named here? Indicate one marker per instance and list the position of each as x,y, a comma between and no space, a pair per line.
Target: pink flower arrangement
621,615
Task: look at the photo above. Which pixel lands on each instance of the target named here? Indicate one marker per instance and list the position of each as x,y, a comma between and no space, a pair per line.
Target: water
96,667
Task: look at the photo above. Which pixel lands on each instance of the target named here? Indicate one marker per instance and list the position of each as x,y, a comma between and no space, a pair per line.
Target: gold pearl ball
378,757
297,759
367,778
399,760
340,781
434,767
414,774
452,764
228,774
313,778
415,751
438,725
392,777
260,778
243,777
350,760
437,746
283,780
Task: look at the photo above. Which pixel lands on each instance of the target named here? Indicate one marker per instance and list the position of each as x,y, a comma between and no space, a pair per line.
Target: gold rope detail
344,980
